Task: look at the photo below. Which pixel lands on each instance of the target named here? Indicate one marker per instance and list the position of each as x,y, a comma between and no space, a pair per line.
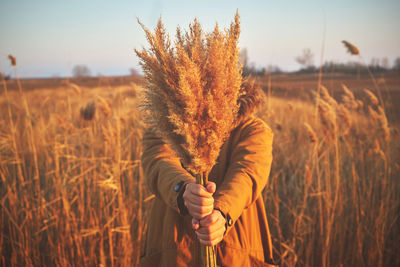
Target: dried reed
372,98
327,97
379,118
193,90
348,98
327,116
344,114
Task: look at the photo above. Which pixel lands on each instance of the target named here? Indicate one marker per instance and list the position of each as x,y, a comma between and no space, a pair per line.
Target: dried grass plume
195,91
352,49
13,60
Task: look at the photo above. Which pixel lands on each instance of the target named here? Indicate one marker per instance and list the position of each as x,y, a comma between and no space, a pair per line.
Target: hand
198,199
211,229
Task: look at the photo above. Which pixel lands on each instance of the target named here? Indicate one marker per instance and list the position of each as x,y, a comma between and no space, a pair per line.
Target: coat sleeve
162,169
248,171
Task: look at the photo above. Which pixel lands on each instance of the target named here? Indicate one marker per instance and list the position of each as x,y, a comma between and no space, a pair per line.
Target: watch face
178,186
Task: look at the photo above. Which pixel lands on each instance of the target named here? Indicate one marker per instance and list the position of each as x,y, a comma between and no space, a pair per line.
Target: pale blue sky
49,37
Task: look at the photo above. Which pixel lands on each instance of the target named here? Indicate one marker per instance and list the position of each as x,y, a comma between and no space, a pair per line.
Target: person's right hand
199,200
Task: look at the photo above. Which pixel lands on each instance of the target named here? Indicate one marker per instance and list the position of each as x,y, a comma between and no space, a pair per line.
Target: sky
49,37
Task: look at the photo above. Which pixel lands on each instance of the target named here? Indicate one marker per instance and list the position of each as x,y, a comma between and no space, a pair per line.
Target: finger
213,227
198,189
205,210
197,216
199,212
187,188
202,201
210,236
209,220
215,234
211,187
213,237
216,241
212,218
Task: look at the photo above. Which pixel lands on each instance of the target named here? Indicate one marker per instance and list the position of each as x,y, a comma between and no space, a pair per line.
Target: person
228,212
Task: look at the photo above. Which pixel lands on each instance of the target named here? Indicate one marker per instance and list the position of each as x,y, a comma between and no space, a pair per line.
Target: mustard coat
241,173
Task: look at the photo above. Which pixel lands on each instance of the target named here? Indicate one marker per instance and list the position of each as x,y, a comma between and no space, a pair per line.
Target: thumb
211,187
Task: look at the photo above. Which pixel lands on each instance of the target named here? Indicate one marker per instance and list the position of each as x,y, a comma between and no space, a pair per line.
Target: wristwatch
180,189
178,186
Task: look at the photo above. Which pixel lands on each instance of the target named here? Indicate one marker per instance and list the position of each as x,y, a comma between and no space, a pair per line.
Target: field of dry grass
71,189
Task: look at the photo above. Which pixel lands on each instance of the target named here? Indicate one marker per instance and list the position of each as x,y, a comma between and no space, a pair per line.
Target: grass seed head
76,88
360,104
344,114
327,97
372,97
352,49
327,116
192,98
311,133
380,121
13,60
348,98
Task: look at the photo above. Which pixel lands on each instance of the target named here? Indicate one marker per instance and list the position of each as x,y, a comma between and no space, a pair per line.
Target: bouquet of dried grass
192,93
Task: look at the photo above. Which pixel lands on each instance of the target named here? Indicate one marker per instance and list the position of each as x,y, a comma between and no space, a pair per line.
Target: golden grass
80,207
71,190
334,185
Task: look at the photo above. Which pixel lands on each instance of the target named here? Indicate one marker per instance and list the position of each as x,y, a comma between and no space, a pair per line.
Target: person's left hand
210,230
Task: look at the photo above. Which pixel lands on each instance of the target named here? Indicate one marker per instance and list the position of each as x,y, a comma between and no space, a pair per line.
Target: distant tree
273,69
306,59
396,64
244,60
133,72
351,67
374,62
80,71
385,63
243,57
